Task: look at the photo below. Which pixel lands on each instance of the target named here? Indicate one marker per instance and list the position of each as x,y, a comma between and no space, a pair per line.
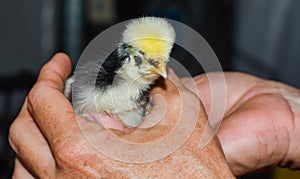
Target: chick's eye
154,63
138,60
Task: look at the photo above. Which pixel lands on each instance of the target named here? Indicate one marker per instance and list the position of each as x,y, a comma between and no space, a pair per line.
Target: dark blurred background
260,37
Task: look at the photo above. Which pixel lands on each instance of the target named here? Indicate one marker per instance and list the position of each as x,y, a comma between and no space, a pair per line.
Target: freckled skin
260,128
188,161
49,144
58,149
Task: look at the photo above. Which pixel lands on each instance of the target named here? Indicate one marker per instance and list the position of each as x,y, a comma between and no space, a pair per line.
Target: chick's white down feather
125,78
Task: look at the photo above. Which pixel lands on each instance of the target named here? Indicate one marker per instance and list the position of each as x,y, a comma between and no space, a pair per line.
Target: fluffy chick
127,74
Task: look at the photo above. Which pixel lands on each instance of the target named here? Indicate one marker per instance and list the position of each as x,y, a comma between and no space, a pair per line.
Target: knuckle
67,153
73,157
32,97
13,135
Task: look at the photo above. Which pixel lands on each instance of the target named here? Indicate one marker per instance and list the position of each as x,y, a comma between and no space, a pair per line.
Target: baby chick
127,74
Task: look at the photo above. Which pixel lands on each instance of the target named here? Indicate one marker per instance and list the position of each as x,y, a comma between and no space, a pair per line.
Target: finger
167,86
189,84
255,136
173,77
49,107
57,70
30,145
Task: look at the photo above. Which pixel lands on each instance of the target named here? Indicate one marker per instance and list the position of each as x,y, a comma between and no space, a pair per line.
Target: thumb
56,71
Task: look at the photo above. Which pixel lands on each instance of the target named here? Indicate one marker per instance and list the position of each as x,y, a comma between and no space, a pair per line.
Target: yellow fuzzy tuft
152,35
152,46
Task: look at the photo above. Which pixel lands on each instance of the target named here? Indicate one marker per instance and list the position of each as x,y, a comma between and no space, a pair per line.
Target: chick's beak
159,67
163,71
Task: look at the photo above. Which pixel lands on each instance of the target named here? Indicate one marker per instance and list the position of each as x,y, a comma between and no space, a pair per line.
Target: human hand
261,125
49,143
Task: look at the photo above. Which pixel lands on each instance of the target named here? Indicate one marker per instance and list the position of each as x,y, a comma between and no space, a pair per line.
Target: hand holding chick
58,149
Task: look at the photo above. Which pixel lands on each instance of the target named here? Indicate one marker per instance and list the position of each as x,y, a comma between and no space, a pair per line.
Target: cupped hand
49,141
261,125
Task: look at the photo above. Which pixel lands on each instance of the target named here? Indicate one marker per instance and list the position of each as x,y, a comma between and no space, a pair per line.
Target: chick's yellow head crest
151,35
152,47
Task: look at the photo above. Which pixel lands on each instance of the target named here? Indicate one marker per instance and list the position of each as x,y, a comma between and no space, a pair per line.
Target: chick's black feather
110,66
108,72
143,97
